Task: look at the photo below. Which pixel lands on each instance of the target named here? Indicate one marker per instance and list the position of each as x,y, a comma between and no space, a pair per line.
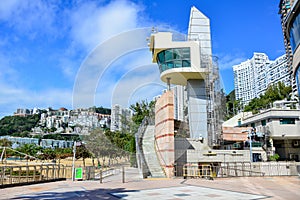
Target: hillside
17,125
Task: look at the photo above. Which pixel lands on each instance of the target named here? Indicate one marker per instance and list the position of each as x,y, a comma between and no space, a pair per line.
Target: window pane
168,55
186,63
161,57
287,121
173,58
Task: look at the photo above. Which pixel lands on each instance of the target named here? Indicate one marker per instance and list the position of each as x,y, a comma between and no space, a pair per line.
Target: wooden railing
10,175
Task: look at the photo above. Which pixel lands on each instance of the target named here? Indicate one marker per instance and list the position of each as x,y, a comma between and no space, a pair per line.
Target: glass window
161,57
168,55
173,58
170,65
186,63
287,121
295,32
176,54
263,122
177,63
298,80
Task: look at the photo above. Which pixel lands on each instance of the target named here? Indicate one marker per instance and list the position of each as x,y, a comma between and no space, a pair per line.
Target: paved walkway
160,189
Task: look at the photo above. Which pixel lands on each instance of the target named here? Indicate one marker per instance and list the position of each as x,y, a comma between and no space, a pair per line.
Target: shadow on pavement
80,194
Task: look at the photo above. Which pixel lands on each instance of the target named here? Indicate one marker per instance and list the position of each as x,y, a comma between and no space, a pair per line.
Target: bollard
123,175
100,175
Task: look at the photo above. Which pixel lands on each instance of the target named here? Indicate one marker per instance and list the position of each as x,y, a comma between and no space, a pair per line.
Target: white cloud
7,8
12,98
84,25
29,18
228,61
91,24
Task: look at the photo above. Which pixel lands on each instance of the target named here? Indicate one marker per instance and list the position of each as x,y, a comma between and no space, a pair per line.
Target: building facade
119,116
252,77
280,128
290,22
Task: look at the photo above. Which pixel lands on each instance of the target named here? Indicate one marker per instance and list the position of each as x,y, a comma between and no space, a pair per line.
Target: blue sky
45,45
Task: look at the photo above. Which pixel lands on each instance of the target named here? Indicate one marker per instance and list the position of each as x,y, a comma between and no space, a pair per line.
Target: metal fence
237,169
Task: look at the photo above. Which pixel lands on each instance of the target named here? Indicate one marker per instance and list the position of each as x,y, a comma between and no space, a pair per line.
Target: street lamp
250,143
73,163
251,155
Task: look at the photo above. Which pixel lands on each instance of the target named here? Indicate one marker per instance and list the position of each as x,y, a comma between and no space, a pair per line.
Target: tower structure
189,63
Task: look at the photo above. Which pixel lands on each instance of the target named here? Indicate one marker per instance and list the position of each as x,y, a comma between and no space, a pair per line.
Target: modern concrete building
252,77
277,129
177,144
290,22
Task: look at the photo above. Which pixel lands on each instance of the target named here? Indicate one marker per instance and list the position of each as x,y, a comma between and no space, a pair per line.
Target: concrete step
150,153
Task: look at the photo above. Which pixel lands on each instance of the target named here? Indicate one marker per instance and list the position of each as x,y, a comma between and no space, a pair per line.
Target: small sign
78,173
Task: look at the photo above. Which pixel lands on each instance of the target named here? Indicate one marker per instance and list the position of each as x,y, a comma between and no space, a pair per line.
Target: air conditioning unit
296,143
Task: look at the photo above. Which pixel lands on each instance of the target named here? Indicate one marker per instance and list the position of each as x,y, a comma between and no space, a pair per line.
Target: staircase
150,155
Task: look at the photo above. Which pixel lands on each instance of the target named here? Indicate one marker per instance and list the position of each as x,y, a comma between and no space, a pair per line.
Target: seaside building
188,117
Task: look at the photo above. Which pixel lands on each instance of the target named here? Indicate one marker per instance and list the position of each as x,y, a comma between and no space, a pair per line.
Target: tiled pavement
160,189
186,192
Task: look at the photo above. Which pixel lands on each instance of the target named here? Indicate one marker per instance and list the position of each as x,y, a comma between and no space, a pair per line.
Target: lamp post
73,162
251,155
250,143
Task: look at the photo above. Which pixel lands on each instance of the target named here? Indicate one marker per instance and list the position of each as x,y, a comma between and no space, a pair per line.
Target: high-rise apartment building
245,76
252,77
119,116
290,22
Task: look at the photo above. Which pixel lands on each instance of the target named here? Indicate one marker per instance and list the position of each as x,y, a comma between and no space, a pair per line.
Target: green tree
100,146
82,152
273,93
5,143
17,124
29,149
141,110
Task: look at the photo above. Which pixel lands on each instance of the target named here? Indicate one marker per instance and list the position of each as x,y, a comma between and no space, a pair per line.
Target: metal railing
239,169
139,136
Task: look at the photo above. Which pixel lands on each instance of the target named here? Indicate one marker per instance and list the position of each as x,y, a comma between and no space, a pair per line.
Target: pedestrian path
113,188
186,192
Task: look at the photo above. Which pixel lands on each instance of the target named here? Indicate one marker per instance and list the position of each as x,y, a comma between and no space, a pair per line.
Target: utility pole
73,163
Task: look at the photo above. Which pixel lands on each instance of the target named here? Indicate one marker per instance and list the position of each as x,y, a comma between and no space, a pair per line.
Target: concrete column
197,109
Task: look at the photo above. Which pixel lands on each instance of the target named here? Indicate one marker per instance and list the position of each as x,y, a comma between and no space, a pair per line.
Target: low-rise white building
280,126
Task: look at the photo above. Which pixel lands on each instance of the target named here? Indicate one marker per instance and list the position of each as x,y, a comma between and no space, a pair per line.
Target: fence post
58,171
47,172
10,174
34,172
53,172
2,175
41,172
20,170
27,173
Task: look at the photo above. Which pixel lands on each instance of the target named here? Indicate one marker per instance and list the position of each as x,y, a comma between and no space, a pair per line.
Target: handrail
139,140
242,170
160,157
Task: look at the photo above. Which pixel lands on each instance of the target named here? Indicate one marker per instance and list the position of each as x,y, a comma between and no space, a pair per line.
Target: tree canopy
18,124
274,92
